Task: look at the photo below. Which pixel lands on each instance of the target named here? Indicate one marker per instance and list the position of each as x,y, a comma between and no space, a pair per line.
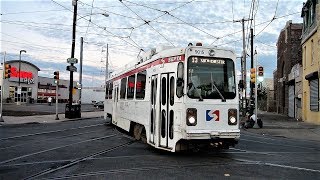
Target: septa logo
212,115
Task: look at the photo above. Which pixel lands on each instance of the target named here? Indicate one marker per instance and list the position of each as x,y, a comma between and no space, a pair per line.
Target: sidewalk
47,118
279,125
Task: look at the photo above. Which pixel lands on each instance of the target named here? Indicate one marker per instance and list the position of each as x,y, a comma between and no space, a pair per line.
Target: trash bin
73,112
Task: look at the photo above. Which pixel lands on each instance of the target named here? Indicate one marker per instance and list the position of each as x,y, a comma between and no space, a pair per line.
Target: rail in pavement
47,118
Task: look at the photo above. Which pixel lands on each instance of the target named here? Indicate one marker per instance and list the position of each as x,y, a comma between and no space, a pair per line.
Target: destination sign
204,60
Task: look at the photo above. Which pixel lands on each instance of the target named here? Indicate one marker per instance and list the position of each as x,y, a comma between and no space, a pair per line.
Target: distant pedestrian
50,101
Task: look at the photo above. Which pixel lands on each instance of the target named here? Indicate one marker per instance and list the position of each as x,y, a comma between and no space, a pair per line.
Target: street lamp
19,87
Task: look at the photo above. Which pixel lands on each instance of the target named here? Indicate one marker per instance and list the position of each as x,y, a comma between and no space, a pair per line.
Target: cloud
44,29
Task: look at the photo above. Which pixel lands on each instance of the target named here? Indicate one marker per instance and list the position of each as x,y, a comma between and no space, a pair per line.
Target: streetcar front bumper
205,134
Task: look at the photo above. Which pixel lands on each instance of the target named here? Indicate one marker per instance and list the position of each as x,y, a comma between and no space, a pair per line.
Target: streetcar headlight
191,116
232,116
191,120
232,120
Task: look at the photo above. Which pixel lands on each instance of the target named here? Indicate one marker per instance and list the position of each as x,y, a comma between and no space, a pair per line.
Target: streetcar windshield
211,78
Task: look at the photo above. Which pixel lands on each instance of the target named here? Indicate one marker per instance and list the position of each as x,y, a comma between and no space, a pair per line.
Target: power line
147,22
31,12
89,19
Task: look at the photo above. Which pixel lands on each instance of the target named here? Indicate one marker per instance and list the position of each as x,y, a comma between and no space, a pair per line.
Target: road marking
277,144
278,165
292,167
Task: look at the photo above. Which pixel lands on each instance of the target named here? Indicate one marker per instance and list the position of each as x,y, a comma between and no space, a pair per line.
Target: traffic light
260,71
7,71
253,75
56,75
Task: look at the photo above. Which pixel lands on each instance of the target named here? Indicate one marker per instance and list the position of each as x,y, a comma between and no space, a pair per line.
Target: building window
314,94
141,85
123,88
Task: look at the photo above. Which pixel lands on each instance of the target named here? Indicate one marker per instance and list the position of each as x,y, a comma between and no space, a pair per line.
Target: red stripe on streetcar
151,64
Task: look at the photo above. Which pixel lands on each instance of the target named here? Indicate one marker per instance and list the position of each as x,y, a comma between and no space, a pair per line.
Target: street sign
72,60
72,68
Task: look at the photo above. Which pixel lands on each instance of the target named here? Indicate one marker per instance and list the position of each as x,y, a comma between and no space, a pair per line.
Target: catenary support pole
80,76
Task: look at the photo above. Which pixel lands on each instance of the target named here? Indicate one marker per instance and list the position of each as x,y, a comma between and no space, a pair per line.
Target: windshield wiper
213,85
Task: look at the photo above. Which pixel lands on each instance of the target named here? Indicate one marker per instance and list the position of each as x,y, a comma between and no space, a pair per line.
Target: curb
58,121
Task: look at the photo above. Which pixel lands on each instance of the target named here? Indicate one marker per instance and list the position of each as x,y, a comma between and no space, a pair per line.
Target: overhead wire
89,19
121,38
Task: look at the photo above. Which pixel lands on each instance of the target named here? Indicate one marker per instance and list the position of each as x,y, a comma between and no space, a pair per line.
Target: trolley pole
57,97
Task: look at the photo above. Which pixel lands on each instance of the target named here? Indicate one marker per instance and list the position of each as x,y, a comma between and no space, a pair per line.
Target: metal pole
107,72
244,67
251,84
80,77
19,74
2,82
256,90
72,49
57,97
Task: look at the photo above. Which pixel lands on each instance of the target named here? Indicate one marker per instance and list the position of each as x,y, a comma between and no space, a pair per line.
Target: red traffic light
7,71
56,75
260,71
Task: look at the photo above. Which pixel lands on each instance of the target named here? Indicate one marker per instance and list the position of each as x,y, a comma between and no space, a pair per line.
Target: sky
44,29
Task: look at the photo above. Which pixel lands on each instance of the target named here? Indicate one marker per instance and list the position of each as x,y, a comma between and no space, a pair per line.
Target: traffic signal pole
57,98
3,74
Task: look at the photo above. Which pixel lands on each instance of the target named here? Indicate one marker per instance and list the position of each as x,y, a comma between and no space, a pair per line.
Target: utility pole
252,85
244,65
107,70
80,77
75,4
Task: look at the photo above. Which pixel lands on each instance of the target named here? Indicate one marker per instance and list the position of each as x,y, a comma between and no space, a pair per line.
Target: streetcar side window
107,91
123,88
141,85
130,87
110,90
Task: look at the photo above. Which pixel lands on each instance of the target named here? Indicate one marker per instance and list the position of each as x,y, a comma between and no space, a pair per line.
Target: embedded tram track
50,132
78,160
55,148
54,138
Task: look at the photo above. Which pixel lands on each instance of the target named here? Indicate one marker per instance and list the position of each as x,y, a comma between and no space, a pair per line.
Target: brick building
288,55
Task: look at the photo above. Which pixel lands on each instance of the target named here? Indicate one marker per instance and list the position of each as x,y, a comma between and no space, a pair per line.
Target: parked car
99,105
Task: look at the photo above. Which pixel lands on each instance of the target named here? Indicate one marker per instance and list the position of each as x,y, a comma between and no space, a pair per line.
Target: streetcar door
115,105
154,82
166,117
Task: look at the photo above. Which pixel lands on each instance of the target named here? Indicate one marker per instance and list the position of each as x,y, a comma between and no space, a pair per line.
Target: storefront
27,78
33,88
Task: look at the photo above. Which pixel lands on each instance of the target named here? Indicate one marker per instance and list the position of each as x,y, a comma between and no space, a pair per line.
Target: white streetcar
177,98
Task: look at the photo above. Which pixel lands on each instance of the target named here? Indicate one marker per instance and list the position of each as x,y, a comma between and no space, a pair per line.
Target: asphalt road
88,149
40,109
